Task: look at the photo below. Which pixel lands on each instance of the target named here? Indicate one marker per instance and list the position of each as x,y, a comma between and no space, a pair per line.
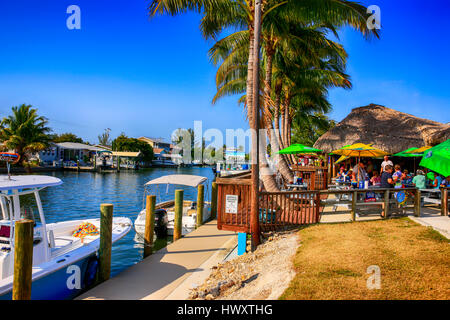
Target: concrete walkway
170,272
432,218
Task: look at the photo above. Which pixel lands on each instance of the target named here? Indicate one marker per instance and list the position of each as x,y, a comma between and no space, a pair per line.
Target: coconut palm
220,15
24,131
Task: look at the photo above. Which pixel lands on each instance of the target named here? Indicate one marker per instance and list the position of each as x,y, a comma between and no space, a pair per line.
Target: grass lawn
332,260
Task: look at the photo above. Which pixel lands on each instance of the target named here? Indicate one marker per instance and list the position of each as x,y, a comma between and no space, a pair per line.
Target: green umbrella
405,153
437,159
299,148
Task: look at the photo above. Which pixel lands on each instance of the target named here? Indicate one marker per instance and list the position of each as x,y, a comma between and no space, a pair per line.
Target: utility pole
254,213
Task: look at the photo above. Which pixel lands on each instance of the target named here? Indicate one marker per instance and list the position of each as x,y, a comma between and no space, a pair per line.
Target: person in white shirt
385,163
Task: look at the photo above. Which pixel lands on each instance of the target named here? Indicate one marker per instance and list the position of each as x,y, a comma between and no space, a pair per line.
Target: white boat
224,170
63,265
189,218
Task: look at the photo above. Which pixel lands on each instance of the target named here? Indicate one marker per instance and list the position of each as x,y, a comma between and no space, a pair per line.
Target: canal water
82,193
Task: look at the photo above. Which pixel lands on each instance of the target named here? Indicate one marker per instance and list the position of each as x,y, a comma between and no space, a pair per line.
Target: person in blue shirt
437,181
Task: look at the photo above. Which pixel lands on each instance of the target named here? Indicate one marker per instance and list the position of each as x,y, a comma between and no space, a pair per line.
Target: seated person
406,177
376,179
436,184
419,180
387,180
341,174
348,177
446,182
436,180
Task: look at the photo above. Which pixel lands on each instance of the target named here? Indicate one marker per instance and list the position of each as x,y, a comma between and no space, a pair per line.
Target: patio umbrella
408,153
360,150
299,148
418,150
342,158
437,159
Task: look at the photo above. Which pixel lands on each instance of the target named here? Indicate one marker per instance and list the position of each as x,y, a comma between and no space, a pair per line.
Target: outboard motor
161,223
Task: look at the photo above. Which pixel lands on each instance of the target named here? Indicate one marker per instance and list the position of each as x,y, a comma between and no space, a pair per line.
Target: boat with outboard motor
64,253
165,210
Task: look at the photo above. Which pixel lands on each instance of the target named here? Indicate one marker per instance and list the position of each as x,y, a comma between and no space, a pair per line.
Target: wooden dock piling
149,225
177,231
106,219
200,204
213,200
23,260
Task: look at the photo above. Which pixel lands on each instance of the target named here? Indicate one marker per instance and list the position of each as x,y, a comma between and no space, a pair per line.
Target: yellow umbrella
420,150
360,150
342,158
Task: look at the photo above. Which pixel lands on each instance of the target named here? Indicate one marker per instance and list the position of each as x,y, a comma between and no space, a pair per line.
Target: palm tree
24,131
236,77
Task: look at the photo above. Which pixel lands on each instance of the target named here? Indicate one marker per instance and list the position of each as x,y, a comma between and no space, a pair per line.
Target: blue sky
148,77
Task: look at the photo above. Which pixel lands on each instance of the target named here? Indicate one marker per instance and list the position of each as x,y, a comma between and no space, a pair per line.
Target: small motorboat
165,211
64,253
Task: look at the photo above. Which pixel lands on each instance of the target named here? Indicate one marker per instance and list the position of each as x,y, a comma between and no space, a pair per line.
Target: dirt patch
262,274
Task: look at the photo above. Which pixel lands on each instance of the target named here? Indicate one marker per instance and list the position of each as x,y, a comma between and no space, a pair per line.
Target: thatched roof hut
388,130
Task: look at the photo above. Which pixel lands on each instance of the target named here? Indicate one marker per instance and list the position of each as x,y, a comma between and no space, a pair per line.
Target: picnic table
427,196
303,186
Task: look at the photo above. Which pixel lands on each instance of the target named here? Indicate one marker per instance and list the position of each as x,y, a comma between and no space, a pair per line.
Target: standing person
386,177
419,180
385,163
397,176
359,172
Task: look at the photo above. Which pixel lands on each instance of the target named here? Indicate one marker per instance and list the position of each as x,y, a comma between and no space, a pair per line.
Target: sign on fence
231,203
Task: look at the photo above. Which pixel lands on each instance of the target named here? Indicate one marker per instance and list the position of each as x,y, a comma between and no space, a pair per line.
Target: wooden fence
280,209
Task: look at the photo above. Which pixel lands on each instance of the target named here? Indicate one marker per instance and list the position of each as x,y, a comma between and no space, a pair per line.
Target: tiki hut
388,130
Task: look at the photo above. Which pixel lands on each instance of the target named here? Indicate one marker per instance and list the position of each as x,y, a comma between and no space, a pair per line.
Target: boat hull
59,285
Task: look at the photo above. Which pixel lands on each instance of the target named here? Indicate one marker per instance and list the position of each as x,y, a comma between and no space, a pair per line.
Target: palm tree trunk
282,165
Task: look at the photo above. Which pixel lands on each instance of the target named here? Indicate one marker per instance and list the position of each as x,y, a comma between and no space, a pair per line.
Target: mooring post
200,204
149,225
214,200
386,204
417,201
23,259
95,162
178,215
106,219
354,199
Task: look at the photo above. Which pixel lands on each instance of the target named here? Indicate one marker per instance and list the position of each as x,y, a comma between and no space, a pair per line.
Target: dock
170,272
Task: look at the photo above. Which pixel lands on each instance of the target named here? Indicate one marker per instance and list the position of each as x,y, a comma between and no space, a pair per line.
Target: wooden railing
278,209
444,200
387,203
315,177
